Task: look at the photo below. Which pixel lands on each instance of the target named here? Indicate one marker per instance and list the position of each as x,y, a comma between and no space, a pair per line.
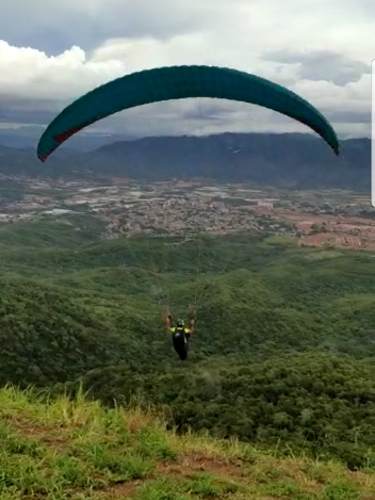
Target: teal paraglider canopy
178,82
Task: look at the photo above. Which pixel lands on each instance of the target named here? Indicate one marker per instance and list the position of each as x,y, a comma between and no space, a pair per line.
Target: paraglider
178,82
180,332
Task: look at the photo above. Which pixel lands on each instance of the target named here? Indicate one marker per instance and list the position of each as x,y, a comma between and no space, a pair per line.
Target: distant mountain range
288,160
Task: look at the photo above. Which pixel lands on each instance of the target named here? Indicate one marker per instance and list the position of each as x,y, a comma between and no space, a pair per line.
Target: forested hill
283,352
299,160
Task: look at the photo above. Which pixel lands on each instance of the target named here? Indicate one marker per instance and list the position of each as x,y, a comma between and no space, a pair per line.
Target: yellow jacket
174,329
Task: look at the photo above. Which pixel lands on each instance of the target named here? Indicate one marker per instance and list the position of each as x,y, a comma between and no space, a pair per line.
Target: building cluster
189,207
187,214
129,208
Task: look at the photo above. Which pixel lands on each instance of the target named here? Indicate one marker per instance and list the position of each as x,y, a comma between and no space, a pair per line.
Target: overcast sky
51,52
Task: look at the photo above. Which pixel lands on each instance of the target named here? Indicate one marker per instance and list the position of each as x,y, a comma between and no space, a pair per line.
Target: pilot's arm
192,326
168,320
192,314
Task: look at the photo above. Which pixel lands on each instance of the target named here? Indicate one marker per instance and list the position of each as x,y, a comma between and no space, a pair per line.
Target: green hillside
76,449
284,350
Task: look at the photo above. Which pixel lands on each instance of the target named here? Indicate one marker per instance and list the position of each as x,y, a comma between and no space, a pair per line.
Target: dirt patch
48,436
192,463
185,466
339,231
120,490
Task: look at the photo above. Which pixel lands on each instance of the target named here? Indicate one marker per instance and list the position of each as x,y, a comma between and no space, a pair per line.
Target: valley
329,219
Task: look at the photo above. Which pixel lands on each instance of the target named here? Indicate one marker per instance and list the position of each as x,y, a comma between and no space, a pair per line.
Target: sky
52,52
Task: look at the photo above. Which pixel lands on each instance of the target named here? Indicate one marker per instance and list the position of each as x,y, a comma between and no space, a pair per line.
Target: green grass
63,448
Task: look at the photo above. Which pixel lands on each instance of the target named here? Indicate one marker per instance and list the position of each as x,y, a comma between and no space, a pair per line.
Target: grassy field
76,449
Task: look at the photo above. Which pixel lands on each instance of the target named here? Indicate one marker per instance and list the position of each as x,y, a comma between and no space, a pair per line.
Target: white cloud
322,65
104,39
31,74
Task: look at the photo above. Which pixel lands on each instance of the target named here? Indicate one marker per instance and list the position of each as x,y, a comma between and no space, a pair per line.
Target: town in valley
332,218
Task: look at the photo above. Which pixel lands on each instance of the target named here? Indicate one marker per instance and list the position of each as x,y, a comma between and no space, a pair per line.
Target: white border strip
373,135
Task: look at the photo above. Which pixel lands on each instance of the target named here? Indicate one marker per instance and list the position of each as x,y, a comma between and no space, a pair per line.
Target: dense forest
284,350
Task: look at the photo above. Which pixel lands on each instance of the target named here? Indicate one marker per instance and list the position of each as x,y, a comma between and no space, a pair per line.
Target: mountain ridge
283,160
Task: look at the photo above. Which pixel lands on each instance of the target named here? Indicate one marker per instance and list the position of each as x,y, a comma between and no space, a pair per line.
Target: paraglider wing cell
178,82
